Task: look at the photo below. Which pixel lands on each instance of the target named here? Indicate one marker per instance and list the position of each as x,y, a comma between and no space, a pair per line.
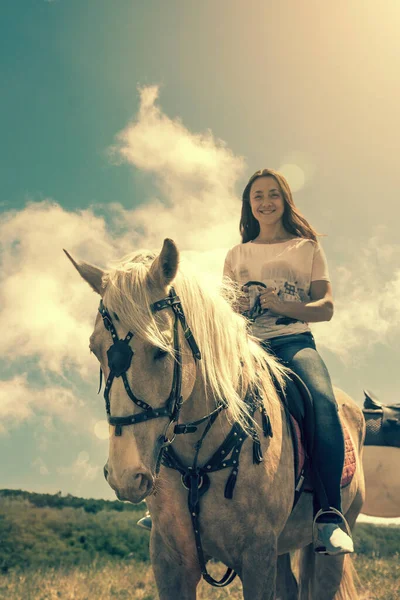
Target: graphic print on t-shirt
288,267
280,278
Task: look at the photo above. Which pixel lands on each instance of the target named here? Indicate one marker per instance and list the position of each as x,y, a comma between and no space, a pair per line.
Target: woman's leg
298,352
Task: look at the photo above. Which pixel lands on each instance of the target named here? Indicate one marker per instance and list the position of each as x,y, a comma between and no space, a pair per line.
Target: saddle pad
349,466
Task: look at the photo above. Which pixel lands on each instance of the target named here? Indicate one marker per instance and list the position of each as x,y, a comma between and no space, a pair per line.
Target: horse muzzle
132,486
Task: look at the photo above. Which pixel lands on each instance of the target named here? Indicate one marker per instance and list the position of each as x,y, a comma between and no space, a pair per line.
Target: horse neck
194,408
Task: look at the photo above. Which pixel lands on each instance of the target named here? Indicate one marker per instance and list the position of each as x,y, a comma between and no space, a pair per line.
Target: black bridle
120,356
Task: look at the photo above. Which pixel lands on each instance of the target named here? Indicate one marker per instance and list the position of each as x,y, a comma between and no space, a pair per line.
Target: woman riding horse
197,428
283,273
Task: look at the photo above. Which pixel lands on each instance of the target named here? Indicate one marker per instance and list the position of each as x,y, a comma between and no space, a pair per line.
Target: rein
195,479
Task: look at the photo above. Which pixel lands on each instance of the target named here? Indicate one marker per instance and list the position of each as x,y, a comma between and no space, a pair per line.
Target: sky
127,122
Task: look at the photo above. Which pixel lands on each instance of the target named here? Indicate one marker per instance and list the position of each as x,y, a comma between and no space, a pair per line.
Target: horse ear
91,274
164,268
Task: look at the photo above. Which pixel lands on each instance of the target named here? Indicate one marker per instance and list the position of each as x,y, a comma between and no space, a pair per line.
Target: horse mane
232,361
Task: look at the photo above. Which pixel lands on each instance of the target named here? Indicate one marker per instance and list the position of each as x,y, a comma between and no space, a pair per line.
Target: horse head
139,339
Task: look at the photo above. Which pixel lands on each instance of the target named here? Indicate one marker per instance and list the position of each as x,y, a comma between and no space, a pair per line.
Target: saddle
383,422
298,404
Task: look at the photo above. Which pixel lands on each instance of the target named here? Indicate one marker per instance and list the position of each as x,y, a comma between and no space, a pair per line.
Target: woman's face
266,201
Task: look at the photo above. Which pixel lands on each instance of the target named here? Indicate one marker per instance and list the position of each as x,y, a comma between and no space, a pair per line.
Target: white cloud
15,403
195,173
41,466
20,402
80,469
367,307
46,312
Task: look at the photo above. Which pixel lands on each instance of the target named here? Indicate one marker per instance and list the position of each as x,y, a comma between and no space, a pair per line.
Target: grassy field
128,580
55,547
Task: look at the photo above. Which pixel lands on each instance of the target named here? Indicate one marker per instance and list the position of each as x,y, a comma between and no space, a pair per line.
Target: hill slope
44,530
54,530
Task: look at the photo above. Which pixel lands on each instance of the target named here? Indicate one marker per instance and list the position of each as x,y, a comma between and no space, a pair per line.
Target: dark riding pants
298,352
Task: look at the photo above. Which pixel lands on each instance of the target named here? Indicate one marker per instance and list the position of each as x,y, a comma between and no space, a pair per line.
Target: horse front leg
286,584
177,574
258,573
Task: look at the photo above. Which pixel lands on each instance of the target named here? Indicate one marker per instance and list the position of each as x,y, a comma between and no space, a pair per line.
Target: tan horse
157,384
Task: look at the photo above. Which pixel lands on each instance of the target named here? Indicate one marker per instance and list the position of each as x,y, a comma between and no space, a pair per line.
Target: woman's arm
319,308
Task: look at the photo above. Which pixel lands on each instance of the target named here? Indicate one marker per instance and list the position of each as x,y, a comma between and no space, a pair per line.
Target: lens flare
101,430
295,176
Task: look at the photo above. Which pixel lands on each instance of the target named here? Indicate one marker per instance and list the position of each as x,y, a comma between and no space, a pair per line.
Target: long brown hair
292,220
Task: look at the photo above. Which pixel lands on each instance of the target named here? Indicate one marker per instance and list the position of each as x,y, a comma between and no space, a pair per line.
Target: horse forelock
232,361
128,295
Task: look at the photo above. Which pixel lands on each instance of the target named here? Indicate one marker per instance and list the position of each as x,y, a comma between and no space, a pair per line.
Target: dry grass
380,580
122,581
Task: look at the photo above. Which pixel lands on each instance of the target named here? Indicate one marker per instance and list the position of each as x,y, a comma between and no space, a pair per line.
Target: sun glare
295,176
101,430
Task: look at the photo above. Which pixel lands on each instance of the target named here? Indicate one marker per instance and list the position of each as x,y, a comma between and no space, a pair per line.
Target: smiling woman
278,241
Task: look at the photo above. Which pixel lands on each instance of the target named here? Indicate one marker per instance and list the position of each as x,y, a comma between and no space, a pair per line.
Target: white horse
159,384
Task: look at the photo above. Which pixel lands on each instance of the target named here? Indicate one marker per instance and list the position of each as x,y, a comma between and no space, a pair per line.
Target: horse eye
160,353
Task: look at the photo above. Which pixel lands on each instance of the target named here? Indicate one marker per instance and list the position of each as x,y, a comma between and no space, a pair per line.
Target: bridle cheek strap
120,356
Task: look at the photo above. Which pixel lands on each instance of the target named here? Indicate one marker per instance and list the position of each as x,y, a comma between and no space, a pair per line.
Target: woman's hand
269,300
319,308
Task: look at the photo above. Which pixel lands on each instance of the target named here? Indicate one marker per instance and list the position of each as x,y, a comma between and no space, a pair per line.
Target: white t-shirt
288,267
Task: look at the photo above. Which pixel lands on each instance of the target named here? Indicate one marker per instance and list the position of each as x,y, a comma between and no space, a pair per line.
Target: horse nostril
105,471
143,483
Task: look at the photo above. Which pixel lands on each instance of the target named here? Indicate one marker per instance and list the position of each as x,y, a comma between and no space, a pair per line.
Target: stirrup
145,522
319,548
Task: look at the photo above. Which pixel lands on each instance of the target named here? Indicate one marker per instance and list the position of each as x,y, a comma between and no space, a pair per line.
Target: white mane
232,361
